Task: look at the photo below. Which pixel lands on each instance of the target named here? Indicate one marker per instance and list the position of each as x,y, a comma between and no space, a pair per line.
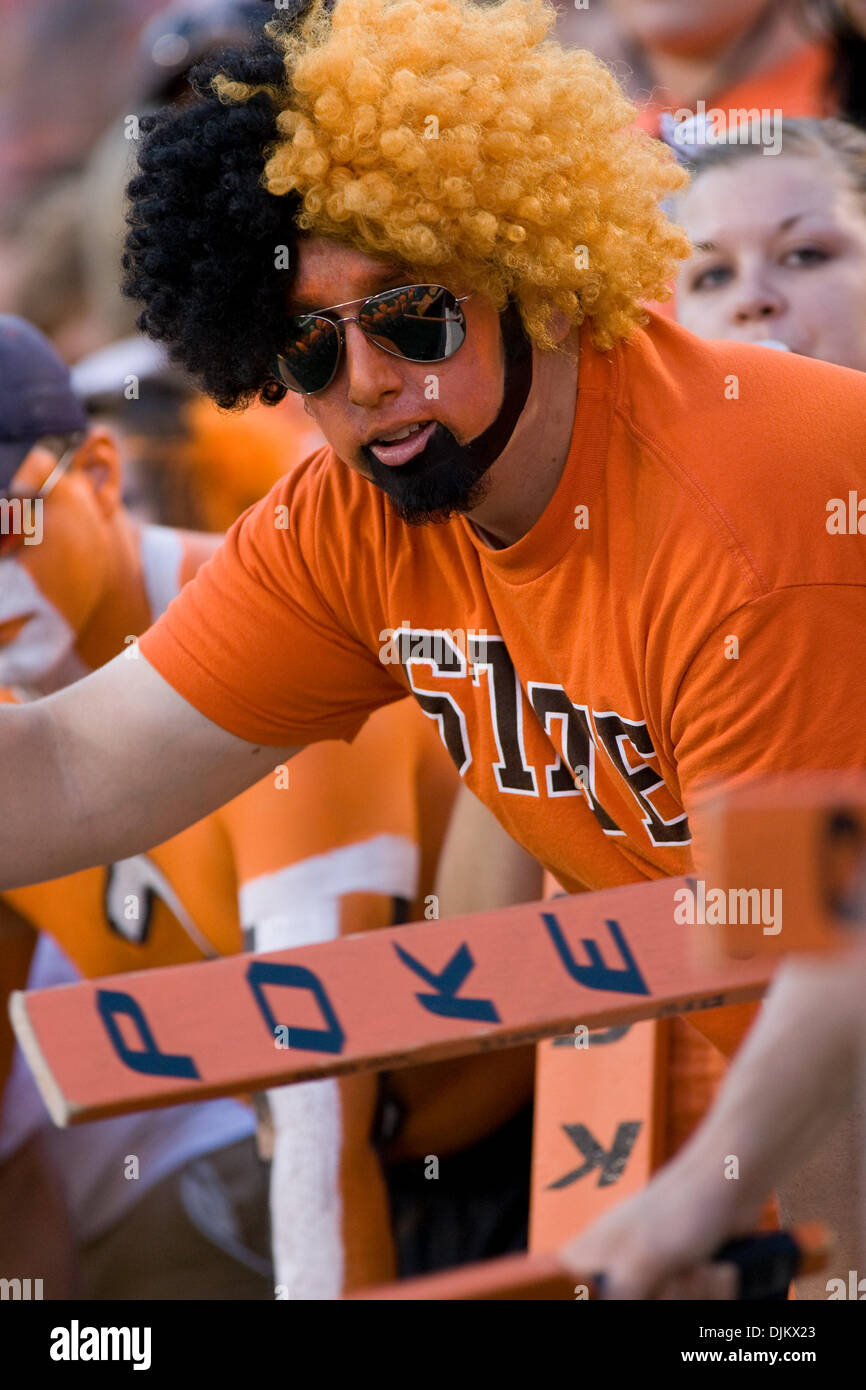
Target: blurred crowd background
76,74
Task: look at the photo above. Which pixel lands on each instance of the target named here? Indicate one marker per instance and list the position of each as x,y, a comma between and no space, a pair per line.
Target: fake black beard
448,478
443,480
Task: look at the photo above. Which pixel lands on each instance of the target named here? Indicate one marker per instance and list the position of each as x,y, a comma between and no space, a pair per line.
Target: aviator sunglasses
420,323
11,541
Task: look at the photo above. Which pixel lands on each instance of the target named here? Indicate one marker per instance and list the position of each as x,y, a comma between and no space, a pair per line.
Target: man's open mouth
399,446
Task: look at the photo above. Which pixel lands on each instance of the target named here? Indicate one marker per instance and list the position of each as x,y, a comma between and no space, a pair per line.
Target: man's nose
371,372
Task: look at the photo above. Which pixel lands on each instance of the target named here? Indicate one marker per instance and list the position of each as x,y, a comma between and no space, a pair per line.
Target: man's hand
657,1244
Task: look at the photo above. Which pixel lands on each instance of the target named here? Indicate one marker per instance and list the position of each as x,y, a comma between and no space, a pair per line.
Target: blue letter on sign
151,1061
447,983
330,1039
597,975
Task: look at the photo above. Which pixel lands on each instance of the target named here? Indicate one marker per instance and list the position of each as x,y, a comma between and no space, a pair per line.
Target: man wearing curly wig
440,226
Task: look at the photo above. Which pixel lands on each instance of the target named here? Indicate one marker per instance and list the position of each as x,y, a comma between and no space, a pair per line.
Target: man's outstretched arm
111,766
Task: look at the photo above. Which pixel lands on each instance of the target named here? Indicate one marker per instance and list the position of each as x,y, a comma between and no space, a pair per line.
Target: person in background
190,1219
775,58
164,1204
185,462
62,185
180,35
844,21
807,55
65,67
349,844
779,245
729,53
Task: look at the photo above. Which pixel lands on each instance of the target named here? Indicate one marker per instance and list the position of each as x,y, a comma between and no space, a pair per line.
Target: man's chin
433,488
430,512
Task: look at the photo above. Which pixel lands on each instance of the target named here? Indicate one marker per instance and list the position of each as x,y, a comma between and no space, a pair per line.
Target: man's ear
98,457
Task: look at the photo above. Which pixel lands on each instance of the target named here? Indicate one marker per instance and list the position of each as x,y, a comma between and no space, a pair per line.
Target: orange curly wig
457,136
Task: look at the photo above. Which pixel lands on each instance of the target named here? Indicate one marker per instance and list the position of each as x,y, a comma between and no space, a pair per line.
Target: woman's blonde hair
454,135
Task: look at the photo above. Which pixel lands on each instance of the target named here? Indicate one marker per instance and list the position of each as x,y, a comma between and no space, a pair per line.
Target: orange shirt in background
343,839
796,87
234,459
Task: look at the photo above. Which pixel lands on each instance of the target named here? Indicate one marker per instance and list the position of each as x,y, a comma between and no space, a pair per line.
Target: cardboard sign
785,863
368,1002
525,1277
599,1125
766,1263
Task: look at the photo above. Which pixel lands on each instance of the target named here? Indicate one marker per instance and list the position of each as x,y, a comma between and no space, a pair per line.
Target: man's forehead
328,273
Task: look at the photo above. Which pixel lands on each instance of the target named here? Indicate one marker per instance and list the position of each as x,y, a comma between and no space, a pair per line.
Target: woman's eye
805,255
711,278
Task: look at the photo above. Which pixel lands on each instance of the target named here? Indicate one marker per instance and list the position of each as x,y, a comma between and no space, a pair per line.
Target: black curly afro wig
322,127
202,251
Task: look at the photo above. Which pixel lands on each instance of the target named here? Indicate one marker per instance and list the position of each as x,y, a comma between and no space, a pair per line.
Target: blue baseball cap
36,394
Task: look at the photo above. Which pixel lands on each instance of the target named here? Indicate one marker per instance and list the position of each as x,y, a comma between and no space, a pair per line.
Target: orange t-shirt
679,612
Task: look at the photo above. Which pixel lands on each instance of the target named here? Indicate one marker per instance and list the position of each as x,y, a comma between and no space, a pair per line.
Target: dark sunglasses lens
423,323
308,361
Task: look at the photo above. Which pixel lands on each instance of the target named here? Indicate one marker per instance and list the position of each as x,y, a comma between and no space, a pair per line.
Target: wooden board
509,1277
798,841
373,1001
543,1276
599,1125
